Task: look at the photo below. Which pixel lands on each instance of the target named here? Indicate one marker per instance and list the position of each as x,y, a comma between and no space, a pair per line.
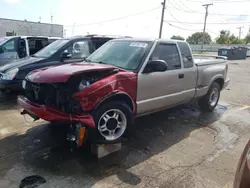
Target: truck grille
57,96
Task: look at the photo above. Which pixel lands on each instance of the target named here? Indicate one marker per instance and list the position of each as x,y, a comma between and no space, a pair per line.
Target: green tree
196,38
177,37
225,37
247,38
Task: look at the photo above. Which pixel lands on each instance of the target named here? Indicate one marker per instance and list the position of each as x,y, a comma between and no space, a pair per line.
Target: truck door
190,72
159,90
8,51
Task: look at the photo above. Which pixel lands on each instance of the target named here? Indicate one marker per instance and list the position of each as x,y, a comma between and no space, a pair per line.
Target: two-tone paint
145,93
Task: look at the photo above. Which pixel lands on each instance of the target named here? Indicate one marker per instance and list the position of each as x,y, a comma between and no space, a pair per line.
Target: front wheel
112,120
210,100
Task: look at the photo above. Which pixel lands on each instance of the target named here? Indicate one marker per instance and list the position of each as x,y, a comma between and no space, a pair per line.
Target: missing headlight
83,84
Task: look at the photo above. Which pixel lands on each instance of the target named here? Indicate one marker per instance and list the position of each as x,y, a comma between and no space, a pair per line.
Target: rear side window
168,53
99,42
185,53
37,44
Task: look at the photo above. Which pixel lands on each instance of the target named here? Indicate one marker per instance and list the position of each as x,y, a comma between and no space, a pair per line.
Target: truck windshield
124,54
51,48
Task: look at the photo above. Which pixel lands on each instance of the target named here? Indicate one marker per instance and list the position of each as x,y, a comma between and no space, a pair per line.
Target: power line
215,11
175,4
183,10
186,6
212,32
215,23
115,19
180,27
241,1
176,19
196,12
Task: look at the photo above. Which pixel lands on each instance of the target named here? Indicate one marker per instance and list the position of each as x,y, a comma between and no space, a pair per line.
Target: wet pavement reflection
43,147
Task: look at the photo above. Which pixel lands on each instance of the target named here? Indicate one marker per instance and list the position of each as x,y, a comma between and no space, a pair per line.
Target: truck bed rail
209,56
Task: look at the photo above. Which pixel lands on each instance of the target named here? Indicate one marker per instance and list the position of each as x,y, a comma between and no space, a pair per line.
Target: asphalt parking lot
181,147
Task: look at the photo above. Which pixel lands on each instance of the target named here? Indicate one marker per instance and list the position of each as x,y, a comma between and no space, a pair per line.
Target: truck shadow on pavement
44,150
7,101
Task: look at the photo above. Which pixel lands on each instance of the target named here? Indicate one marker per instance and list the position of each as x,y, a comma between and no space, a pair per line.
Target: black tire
204,102
97,114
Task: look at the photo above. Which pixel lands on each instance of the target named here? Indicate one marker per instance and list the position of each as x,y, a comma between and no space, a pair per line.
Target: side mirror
156,66
65,55
189,58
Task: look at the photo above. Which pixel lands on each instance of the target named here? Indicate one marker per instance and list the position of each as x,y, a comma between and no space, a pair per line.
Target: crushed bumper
50,114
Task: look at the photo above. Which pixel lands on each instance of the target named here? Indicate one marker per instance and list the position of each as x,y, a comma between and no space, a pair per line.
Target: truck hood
59,74
19,63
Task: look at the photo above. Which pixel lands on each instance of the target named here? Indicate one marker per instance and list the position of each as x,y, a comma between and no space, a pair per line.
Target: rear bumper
226,83
50,114
11,85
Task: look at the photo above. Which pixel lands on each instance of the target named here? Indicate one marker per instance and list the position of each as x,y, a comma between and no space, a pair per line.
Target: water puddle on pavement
32,182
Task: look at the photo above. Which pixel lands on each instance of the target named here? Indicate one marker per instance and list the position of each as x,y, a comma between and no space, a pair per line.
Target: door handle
181,76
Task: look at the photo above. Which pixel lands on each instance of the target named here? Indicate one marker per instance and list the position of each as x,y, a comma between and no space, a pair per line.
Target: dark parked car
59,52
16,47
242,176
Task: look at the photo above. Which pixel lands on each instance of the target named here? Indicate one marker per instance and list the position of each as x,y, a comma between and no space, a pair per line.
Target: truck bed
201,60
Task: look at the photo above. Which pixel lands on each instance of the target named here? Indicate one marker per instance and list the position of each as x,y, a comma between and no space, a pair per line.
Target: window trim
153,49
181,54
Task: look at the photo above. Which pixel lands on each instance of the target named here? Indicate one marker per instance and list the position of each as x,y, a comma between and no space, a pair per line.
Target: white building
9,27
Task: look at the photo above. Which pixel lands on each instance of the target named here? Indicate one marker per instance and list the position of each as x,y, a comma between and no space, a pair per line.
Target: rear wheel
113,120
210,100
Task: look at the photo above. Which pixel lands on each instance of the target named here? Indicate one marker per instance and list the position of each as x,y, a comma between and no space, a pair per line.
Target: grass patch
199,52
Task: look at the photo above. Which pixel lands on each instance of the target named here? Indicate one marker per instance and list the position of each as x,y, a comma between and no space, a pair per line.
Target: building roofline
29,21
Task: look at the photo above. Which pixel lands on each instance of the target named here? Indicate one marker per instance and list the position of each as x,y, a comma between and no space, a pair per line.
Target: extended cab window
168,53
186,54
99,42
36,44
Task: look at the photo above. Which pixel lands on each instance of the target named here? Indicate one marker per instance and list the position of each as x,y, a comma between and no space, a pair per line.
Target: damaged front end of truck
69,94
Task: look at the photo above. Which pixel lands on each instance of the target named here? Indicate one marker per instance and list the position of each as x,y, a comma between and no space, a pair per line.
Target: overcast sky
139,18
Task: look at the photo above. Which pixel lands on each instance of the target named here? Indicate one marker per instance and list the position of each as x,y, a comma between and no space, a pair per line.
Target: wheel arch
120,96
218,79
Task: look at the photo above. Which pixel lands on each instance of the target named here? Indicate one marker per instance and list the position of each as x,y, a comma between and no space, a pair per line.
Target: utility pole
73,27
240,31
51,23
205,23
162,17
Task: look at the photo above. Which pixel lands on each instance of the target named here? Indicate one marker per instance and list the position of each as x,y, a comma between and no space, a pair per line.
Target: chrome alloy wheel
112,124
214,97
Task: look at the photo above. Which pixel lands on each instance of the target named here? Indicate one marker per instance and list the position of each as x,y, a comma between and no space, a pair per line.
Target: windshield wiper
101,62
87,60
